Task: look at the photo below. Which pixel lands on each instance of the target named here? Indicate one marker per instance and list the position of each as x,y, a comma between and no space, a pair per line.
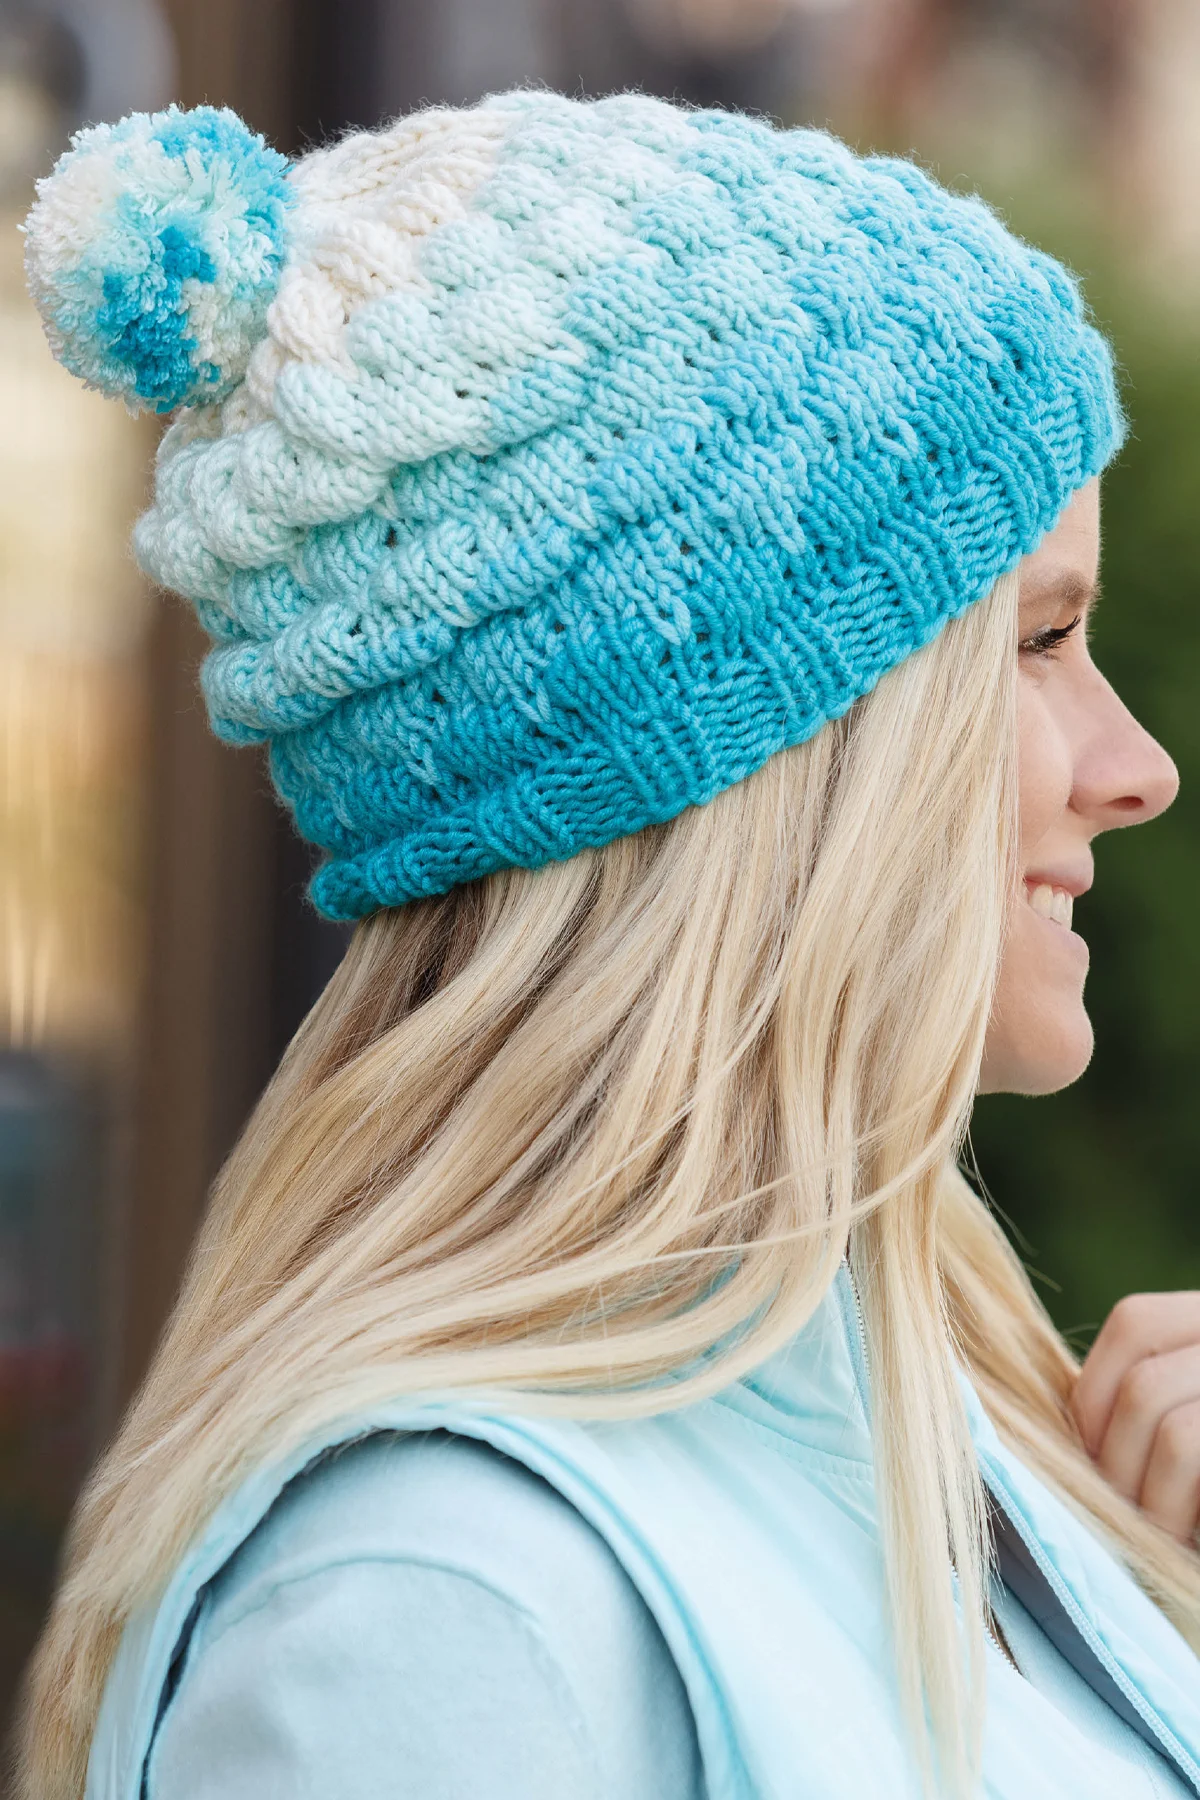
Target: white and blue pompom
153,252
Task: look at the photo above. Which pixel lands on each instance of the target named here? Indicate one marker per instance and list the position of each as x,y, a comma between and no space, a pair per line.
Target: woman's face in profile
1086,766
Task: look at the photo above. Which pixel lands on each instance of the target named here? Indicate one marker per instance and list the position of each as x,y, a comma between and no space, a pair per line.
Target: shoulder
434,1500
426,1597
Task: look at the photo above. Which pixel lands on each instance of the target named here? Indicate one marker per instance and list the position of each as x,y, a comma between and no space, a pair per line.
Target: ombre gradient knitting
593,453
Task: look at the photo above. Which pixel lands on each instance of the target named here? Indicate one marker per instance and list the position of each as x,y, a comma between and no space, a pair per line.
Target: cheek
1045,774
1040,1037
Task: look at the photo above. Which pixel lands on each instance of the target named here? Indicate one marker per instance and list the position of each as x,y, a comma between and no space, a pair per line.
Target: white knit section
429,265
363,210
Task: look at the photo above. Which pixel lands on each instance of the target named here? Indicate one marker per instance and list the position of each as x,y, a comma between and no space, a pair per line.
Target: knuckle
1141,1386
1179,1435
1130,1318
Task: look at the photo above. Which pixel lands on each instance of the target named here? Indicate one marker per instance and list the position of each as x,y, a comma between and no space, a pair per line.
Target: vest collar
816,1389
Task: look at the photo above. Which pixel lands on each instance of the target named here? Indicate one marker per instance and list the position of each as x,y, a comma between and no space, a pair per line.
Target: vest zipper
864,1353
990,1624
1166,1740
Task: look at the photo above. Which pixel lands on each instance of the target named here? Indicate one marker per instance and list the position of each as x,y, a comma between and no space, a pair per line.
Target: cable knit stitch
594,452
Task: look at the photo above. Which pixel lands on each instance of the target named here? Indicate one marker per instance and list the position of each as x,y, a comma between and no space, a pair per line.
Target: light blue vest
748,1522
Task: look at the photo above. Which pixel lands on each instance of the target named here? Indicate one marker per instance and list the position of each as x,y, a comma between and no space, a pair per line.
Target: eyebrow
1068,588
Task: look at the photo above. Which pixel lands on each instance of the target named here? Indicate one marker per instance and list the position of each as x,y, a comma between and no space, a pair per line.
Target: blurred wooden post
206,1030
207,1037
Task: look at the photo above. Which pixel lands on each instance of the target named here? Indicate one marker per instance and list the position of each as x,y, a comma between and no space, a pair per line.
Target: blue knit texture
595,452
154,250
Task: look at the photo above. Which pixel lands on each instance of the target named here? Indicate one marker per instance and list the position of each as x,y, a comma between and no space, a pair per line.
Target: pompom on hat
547,465
154,251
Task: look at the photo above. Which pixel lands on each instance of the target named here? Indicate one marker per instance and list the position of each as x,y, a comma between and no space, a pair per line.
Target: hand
1137,1405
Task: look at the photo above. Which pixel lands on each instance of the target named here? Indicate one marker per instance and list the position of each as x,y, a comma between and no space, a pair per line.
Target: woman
658,551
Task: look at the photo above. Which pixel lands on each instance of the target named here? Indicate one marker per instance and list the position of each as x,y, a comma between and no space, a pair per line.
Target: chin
1048,1056
1040,1037
1048,1074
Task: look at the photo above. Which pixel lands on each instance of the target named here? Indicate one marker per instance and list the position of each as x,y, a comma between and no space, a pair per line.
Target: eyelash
1046,641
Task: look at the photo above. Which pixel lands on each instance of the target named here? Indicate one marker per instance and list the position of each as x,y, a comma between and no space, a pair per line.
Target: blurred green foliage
1101,1183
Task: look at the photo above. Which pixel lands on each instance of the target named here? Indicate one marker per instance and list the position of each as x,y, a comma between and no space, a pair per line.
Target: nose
1123,776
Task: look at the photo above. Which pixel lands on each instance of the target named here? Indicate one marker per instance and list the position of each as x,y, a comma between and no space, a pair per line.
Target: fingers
1146,1403
1140,1326
1170,1491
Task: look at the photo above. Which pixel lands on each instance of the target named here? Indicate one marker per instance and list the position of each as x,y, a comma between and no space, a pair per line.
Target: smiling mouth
1053,903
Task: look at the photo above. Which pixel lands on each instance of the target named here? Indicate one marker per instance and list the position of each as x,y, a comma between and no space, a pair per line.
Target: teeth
1051,903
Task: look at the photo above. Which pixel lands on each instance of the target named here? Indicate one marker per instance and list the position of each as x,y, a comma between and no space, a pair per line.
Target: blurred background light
717,28
74,616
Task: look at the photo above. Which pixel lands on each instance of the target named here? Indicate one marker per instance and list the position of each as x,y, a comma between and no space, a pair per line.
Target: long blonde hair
528,1123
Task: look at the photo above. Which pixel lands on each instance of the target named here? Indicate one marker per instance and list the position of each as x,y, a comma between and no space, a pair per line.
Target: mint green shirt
448,1615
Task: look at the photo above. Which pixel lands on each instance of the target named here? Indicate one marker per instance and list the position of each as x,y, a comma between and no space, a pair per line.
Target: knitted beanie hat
544,466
